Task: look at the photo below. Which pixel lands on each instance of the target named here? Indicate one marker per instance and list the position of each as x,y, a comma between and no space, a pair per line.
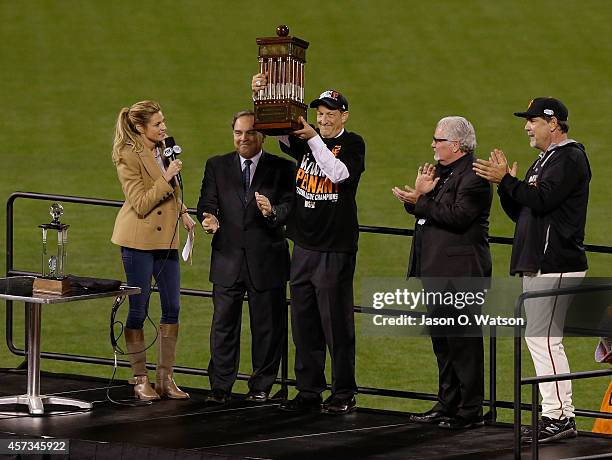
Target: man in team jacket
324,228
549,207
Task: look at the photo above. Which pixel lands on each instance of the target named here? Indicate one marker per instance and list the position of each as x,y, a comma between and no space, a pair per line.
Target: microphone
170,152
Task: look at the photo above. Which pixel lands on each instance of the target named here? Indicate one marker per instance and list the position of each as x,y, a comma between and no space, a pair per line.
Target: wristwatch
272,215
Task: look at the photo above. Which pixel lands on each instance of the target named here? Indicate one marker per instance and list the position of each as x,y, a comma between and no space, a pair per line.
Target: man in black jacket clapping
451,205
549,207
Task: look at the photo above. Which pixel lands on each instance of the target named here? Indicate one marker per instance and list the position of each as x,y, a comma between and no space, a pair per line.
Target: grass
69,66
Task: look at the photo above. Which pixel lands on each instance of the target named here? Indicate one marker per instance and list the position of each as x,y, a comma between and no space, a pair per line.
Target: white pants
544,337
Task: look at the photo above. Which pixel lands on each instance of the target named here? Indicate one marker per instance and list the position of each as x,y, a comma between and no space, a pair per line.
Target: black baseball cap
331,99
545,107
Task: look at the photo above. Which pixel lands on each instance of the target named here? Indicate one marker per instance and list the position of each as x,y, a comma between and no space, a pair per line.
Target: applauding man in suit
245,198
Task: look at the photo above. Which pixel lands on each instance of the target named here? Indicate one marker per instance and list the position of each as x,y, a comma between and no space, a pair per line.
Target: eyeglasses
437,140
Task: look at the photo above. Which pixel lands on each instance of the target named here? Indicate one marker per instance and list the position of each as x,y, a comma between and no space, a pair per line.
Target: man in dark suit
451,205
245,198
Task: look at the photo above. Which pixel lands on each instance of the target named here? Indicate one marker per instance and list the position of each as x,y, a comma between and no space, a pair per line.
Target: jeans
140,266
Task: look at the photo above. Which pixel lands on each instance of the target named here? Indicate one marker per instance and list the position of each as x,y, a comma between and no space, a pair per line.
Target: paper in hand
188,248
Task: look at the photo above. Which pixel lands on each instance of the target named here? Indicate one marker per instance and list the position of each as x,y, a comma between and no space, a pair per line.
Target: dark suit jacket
455,236
242,227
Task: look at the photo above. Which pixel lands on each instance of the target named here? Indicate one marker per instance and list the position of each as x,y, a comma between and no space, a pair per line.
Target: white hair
459,129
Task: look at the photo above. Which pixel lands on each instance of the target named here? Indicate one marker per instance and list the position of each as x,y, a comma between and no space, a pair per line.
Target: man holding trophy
324,229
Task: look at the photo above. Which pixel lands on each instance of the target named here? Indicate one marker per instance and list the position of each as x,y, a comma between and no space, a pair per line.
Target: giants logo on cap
330,94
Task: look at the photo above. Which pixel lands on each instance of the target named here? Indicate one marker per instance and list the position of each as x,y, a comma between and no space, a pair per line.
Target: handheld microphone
171,151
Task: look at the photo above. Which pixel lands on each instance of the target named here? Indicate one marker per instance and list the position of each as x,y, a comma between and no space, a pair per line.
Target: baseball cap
545,107
331,99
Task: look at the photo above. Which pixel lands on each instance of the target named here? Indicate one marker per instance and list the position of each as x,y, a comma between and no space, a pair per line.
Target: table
19,288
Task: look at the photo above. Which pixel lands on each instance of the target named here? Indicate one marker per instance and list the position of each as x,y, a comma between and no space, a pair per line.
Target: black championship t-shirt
324,217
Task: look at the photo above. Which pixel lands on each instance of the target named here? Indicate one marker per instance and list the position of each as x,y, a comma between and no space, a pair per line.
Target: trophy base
276,118
51,286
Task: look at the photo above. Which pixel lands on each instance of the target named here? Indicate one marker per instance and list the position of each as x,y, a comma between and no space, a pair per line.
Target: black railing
534,381
493,403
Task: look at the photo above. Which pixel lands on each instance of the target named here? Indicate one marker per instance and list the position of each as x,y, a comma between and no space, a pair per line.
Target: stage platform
192,430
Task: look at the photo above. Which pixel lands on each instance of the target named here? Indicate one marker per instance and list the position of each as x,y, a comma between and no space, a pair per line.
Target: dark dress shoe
431,416
460,423
337,405
256,396
301,404
217,396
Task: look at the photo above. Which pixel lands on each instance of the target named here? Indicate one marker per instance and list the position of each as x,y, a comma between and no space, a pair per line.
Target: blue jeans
140,266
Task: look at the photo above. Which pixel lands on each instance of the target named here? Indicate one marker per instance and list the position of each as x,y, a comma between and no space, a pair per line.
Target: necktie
246,177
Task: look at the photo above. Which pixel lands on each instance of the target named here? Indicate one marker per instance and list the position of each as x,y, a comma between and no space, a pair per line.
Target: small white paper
188,245
421,221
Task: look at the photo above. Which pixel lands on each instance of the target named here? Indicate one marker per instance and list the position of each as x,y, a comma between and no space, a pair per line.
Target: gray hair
461,130
562,124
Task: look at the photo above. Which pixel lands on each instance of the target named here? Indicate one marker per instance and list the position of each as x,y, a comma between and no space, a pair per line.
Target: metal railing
534,381
493,403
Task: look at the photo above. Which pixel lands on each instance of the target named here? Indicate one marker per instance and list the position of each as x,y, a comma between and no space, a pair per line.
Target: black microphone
171,151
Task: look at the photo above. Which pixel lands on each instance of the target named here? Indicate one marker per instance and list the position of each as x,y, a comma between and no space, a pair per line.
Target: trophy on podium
280,103
53,279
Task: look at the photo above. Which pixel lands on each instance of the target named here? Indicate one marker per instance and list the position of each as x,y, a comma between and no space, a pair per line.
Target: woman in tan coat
146,228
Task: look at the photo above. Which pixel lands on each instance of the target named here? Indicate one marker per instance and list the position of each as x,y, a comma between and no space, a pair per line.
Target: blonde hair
125,129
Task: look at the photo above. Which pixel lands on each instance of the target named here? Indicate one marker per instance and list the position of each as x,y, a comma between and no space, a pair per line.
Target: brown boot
134,340
166,353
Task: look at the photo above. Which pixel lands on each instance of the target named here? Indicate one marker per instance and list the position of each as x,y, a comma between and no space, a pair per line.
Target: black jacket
243,231
549,208
454,239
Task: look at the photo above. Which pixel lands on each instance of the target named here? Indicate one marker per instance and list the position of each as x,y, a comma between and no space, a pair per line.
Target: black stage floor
192,430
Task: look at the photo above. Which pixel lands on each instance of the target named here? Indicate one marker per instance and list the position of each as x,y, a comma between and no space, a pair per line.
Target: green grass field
69,66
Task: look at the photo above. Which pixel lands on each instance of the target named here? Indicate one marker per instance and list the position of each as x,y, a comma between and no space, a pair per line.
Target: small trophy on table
53,279
280,103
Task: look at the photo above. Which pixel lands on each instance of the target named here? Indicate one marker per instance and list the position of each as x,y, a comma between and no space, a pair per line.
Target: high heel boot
166,355
134,340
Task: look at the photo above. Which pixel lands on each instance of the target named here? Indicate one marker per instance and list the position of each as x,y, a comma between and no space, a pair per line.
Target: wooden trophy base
51,286
278,117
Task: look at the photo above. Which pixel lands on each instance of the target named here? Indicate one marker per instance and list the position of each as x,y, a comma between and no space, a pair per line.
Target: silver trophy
54,252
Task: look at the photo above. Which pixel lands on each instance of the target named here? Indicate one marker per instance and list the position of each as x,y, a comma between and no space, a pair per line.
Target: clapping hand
406,196
426,179
495,168
263,204
210,224
424,183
